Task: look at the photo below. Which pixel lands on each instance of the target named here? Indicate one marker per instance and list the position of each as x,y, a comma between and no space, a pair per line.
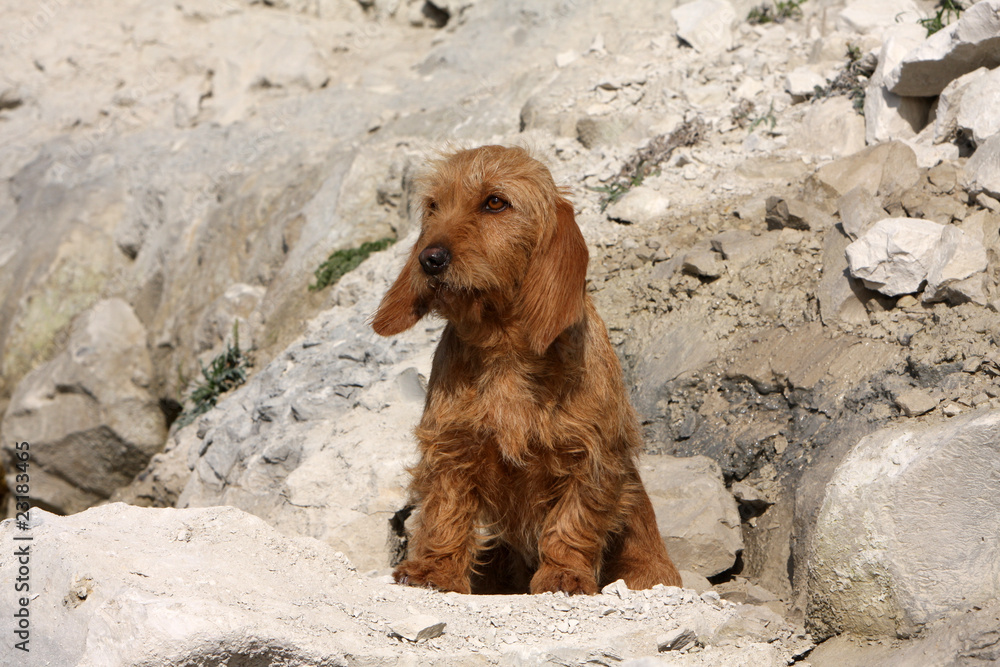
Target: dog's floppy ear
554,286
402,306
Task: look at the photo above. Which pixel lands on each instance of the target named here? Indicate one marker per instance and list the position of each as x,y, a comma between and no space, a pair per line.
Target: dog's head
498,246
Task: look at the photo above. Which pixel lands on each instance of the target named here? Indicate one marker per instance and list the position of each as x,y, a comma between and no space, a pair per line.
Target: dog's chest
508,408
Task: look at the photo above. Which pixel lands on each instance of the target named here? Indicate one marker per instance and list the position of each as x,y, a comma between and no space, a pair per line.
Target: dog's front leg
444,544
572,541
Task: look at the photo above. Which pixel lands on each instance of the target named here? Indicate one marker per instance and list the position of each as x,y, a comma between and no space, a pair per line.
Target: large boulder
970,43
907,532
88,414
900,255
697,516
890,115
128,586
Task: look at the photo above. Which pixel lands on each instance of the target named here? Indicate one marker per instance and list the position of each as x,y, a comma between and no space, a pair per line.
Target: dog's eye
495,204
432,206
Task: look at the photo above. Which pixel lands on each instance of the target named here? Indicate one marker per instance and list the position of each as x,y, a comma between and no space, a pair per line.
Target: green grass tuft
226,372
343,261
947,11
781,11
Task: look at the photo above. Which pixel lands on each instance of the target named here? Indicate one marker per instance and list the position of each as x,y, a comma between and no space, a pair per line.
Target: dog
527,479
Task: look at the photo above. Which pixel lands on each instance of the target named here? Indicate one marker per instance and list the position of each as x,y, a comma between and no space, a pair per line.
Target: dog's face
498,246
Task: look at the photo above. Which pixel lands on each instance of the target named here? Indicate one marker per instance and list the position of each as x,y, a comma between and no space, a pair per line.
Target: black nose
434,259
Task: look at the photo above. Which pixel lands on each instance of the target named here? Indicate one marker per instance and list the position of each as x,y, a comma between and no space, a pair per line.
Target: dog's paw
572,582
430,574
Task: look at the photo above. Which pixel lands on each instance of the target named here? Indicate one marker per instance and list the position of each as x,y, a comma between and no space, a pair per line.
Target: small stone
711,597
980,399
952,410
703,263
418,628
988,202
916,402
859,210
618,588
982,171
906,301
676,639
894,256
801,83
565,58
705,24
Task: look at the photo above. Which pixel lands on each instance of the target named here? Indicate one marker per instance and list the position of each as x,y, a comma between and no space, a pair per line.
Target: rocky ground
804,299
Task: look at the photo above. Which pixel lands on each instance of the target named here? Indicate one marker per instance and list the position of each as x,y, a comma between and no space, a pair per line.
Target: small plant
781,11
647,160
851,80
227,371
947,11
617,190
769,118
344,261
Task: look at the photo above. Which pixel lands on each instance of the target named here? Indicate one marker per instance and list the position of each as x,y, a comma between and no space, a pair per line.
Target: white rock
566,58
971,42
859,210
802,82
979,111
697,516
888,115
830,127
639,205
705,24
950,105
89,414
957,257
865,17
418,628
907,531
895,255
676,639
982,171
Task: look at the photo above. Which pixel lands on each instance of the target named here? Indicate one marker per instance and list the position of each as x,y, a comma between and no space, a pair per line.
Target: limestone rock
982,170
88,413
841,297
703,262
867,17
977,116
885,171
219,586
305,462
957,258
676,639
950,106
801,83
418,628
858,210
705,24
916,402
903,537
639,205
739,247
794,214
697,516
971,42
831,127
895,255
891,115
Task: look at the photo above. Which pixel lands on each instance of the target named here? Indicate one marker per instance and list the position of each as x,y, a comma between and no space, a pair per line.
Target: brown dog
528,439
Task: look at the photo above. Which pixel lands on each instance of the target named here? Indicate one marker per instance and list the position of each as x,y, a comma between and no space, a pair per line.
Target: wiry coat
527,478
